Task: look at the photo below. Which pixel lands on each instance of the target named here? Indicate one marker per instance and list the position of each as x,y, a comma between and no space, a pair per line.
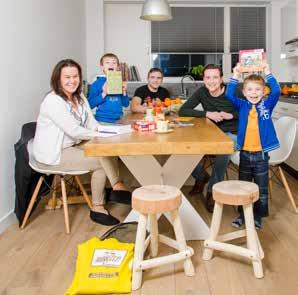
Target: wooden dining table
185,147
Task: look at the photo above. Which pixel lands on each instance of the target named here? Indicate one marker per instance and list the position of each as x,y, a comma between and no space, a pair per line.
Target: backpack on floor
102,267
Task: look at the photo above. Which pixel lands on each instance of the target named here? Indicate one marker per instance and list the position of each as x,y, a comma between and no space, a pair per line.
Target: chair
235,193
286,131
151,201
62,174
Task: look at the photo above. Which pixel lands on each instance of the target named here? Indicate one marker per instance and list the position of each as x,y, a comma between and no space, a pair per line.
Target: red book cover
251,60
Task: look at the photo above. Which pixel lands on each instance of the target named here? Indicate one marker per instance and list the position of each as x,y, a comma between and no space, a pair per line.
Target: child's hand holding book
104,90
124,87
237,71
265,67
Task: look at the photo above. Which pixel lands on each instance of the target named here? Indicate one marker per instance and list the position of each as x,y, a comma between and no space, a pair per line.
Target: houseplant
197,72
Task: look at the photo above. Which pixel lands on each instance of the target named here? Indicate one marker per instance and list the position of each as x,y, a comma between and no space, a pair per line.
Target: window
248,29
177,65
196,36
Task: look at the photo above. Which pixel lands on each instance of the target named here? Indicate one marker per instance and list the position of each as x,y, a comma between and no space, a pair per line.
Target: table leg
175,172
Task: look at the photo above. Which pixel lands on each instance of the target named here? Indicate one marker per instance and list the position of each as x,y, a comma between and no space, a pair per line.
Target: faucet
185,90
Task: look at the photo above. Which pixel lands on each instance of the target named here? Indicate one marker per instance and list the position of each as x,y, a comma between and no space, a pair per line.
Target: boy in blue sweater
109,107
256,134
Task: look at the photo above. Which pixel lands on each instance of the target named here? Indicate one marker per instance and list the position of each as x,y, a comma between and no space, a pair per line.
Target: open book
108,130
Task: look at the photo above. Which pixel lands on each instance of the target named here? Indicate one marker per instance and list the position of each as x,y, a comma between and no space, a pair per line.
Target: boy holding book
256,134
108,106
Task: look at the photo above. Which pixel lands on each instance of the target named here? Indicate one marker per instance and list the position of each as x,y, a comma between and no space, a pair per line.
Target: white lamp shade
156,10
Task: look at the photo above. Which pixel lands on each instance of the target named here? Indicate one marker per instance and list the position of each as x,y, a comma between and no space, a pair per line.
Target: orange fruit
167,102
285,90
178,100
266,90
158,102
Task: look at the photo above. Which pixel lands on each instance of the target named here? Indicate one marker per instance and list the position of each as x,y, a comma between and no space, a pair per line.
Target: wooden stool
239,193
150,201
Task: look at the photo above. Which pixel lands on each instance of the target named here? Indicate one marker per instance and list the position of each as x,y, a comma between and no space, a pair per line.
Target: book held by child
114,82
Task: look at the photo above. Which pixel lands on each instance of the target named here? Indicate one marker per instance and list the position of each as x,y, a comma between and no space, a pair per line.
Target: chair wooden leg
85,195
153,235
252,242
139,252
32,201
188,266
214,229
289,193
65,207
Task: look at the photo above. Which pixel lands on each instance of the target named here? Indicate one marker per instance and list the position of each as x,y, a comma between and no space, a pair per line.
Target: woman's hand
214,116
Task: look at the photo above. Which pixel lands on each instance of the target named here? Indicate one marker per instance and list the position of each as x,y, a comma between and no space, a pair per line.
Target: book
114,82
251,60
106,130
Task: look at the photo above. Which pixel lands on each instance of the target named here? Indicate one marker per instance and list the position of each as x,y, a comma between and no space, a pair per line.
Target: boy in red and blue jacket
256,134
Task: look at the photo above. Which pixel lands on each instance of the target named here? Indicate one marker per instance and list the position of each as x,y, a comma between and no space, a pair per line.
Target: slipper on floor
120,196
101,218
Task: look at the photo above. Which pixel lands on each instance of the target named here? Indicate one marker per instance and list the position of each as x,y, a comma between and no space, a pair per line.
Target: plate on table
162,132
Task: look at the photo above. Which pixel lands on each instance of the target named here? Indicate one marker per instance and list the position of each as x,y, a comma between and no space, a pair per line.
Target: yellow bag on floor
102,267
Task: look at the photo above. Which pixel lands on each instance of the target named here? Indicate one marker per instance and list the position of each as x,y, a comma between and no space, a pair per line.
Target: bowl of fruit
290,90
167,106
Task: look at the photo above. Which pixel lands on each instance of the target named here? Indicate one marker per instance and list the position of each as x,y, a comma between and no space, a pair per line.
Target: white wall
35,35
126,35
94,36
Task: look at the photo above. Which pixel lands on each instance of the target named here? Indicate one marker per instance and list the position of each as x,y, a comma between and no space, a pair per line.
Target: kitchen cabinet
289,15
290,110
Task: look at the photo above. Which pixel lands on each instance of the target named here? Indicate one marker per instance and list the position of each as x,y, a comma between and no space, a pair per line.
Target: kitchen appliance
291,48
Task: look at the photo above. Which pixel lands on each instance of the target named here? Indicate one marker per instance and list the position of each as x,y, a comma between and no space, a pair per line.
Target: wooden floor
41,258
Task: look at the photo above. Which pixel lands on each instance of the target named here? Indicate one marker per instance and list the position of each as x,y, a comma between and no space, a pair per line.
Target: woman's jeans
254,166
218,170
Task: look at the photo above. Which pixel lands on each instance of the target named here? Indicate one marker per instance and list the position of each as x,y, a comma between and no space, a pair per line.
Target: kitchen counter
288,99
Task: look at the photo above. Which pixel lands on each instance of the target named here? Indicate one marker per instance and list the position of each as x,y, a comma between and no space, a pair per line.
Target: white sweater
53,122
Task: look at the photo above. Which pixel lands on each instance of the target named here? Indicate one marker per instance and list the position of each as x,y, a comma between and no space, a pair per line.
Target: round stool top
153,199
235,192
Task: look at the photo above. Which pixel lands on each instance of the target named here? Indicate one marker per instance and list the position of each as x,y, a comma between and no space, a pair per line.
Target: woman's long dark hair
56,79
214,67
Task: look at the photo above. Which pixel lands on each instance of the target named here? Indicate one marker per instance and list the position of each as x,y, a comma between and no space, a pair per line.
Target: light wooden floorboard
41,258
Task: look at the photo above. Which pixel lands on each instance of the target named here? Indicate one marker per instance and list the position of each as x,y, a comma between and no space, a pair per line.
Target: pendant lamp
156,10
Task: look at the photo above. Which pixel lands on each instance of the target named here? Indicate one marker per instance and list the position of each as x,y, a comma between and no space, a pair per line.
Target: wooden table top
202,138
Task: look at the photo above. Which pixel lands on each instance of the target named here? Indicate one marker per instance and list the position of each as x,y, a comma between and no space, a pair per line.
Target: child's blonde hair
110,55
254,78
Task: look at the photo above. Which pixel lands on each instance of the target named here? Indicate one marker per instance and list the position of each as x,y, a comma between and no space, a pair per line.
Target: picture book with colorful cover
251,60
114,82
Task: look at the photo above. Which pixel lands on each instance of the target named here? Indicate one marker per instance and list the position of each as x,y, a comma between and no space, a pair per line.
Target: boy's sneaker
238,222
258,223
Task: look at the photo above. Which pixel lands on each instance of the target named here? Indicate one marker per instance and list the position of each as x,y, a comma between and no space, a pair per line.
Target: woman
217,108
65,119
